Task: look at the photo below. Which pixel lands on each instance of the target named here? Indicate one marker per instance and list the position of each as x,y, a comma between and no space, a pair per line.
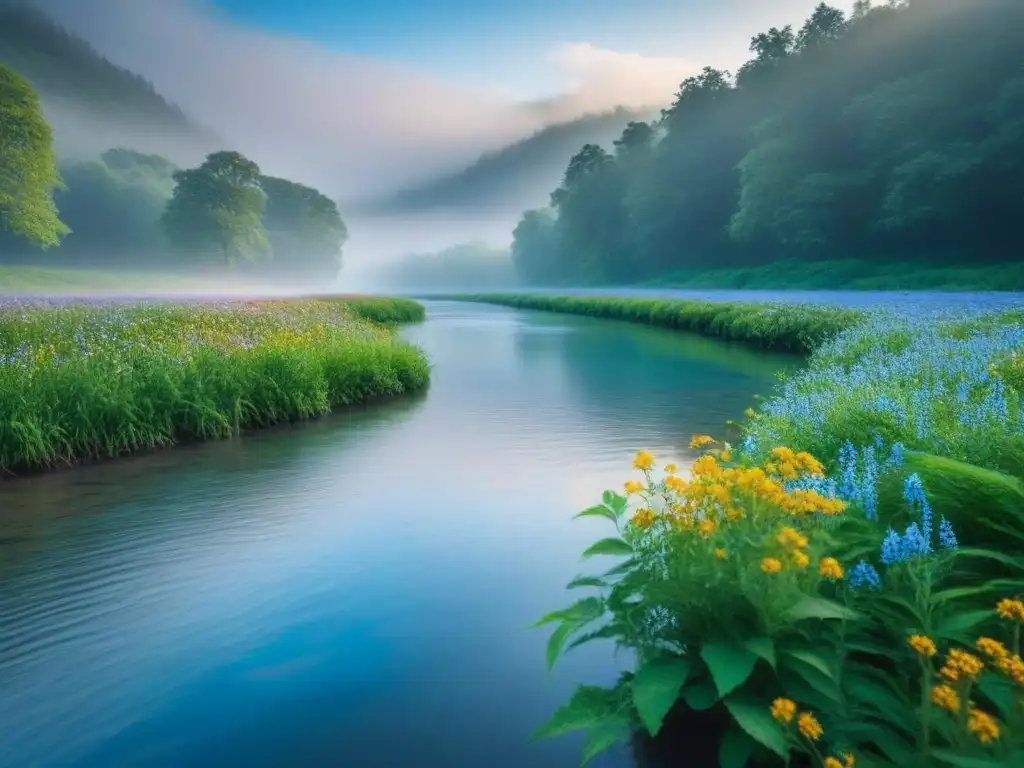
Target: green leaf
656,688
589,705
959,623
816,676
701,695
735,749
582,611
808,607
730,665
604,735
762,647
961,761
812,659
557,642
598,511
1000,692
755,719
601,633
614,501
624,567
610,546
586,581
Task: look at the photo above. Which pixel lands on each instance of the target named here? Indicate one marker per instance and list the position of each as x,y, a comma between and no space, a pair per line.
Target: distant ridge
518,176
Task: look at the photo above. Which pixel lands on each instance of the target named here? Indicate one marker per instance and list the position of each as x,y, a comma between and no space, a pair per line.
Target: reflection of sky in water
306,594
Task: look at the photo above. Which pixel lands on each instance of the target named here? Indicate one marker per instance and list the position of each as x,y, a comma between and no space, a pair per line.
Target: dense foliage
896,133
872,596
28,169
91,380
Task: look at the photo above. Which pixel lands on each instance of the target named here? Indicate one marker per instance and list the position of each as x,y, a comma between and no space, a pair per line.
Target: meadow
864,535
84,380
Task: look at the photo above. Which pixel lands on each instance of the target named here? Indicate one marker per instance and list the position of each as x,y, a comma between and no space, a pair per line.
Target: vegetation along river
356,591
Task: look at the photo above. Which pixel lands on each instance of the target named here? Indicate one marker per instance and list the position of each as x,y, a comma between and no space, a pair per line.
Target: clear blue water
356,591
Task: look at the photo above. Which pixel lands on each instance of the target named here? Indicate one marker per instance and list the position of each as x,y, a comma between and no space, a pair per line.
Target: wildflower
922,645
707,527
643,518
863,574
791,538
671,469
644,461
982,725
848,760
961,665
783,710
699,441
830,568
726,455
675,483
1012,667
991,648
947,537
633,486
721,554
1011,610
771,565
945,697
832,762
809,726
800,559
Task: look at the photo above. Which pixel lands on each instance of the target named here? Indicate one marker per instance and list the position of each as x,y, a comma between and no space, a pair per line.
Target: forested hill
65,68
516,176
891,133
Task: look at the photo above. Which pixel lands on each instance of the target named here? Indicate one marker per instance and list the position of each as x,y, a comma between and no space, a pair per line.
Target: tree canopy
894,133
304,229
28,165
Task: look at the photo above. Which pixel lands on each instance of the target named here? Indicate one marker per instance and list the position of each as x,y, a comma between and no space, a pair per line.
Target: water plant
85,379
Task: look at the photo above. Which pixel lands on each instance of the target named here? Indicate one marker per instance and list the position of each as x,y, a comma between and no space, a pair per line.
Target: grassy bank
84,380
381,309
850,274
865,541
793,328
52,281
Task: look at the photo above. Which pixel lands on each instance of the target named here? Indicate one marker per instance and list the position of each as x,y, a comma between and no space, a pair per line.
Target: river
355,591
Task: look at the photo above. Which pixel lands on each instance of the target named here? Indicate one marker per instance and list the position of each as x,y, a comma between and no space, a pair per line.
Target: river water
355,591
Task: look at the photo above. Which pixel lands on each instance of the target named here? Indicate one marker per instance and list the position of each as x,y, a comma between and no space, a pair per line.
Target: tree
304,229
219,207
28,165
823,26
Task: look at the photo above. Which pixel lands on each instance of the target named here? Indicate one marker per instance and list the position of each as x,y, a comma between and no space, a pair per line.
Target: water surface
355,591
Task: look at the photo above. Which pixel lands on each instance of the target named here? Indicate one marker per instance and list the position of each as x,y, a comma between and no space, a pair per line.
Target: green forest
888,138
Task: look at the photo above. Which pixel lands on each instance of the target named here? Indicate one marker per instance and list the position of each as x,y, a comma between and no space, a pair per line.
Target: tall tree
28,165
304,229
218,207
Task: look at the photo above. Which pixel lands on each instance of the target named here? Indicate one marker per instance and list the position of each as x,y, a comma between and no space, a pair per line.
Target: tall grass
792,328
83,380
381,309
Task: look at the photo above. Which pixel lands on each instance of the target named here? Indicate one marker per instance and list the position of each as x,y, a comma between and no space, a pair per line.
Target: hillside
70,73
518,176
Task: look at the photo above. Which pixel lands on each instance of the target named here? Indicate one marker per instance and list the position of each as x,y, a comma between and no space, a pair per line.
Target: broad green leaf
987,554
958,593
754,717
961,761
584,610
897,749
604,735
809,607
606,632
610,546
1000,692
735,749
730,665
959,623
589,705
656,688
586,581
812,659
557,642
763,647
701,695
622,568
598,510
615,501
816,676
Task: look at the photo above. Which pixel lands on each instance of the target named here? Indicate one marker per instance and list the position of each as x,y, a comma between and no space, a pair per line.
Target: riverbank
793,328
86,380
850,275
865,541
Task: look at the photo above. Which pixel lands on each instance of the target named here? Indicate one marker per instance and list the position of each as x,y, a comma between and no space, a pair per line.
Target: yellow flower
809,726
783,710
633,486
675,483
671,469
848,760
992,648
945,697
726,455
982,725
644,460
832,762
800,559
720,554
922,645
771,565
791,538
643,518
707,527
1012,667
699,441
830,568
1011,610
968,665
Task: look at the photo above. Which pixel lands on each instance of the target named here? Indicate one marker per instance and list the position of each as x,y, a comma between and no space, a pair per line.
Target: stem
926,708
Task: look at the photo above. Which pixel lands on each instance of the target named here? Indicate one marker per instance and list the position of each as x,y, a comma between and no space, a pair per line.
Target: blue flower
863,574
913,492
892,547
947,537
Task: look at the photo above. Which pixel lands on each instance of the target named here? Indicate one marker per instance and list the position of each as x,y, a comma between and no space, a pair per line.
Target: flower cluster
784,711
